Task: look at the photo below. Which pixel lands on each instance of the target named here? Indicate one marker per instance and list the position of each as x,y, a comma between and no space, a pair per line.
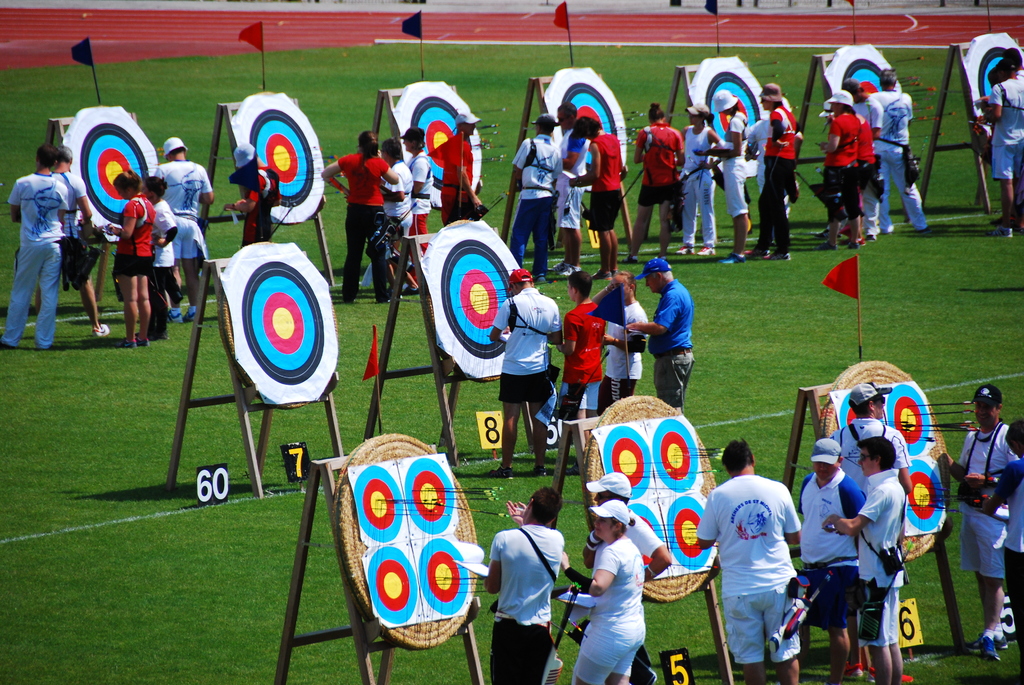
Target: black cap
989,394
415,134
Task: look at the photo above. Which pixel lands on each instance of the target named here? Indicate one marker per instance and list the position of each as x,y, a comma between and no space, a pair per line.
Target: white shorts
734,170
608,649
981,545
889,632
189,243
1006,161
751,619
570,202
589,400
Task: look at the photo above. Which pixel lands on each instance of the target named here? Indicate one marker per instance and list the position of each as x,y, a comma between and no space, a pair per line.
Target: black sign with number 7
296,461
676,665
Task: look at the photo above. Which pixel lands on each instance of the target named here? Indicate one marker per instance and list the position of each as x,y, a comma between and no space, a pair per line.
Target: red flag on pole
562,16
449,153
253,35
845,278
851,2
371,363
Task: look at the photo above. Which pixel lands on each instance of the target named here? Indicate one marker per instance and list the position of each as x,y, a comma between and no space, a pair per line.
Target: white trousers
893,173
34,262
700,192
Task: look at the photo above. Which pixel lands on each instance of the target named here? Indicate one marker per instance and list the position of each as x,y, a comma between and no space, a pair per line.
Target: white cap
468,118
173,143
841,98
613,482
613,509
244,154
723,100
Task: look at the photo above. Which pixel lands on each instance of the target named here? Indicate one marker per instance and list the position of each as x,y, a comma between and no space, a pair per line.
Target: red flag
449,153
845,278
371,363
851,2
253,35
562,16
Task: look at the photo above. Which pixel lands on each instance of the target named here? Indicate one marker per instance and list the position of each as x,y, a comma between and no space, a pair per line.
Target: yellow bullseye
688,531
284,323
908,420
627,462
921,494
428,497
479,299
675,456
443,576
282,160
392,585
112,170
378,504
440,138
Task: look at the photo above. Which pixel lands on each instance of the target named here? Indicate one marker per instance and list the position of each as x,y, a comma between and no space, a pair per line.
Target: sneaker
827,246
409,291
685,250
707,252
999,642
161,336
821,234
102,332
925,231
500,473
561,269
870,237
573,470
871,676
631,260
887,231
125,345
853,671
602,276
733,259
853,245
756,253
141,342
541,471
174,315
988,649
540,280
778,257
1000,233
189,317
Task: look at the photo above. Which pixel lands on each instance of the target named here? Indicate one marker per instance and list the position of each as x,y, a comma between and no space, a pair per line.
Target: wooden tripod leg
102,275
332,426
718,632
261,446
956,628
247,442
325,253
476,671
796,434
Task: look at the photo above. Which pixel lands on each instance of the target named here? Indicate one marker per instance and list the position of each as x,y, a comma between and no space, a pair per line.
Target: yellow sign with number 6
910,624
489,425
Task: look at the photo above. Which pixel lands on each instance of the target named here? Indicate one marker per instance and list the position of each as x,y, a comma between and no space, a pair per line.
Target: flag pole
263,58
422,77
96,83
853,4
568,31
718,42
860,332
988,11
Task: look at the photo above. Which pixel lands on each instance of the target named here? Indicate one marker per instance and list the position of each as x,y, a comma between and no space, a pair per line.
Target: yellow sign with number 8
489,425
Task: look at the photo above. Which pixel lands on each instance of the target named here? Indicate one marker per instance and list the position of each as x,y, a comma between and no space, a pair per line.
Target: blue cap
655,266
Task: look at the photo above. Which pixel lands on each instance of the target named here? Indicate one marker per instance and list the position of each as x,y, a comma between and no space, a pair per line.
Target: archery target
394,591
467,268
106,141
446,587
433,106
380,505
592,97
652,518
841,403
283,321
624,448
429,494
926,509
906,409
982,56
681,523
730,74
287,143
676,454
862,62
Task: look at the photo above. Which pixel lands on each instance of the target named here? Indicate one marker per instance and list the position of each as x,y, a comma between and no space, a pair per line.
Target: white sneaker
1001,233
707,252
562,269
103,331
685,249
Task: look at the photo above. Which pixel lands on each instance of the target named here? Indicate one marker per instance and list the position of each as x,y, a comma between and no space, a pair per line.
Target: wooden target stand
817,71
535,87
810,398
222,120
442,367
244,397
955,61
366,634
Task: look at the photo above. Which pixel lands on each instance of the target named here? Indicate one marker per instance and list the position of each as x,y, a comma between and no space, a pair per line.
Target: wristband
593,541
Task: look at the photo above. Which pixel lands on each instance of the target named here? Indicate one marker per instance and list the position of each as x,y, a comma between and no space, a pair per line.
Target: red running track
27,35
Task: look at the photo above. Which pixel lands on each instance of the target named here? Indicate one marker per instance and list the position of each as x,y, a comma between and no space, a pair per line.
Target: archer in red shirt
605,176
583,338
842,178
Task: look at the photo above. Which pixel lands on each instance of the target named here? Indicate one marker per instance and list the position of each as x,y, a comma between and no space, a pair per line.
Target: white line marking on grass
83,317
976,381
745,419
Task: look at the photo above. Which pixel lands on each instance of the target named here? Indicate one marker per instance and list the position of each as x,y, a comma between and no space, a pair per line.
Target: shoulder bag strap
540,555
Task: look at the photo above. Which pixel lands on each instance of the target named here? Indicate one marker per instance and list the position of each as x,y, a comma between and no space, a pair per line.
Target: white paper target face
433,106
106,141
592,97
287,143
862,62
283,320
726,74
983,55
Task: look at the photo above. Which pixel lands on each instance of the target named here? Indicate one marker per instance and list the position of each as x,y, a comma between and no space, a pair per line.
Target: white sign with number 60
212,484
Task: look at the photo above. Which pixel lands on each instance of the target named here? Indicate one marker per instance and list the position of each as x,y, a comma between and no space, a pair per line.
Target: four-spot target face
592,97
430,494
391,578
653,519
467,268
285,338
906,409
926,510
729,74
287,143
676,454
106,141
862,62
445,585
681,523
984,53
380,505
626,450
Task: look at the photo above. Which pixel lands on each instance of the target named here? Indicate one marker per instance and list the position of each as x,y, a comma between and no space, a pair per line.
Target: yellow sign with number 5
910,624
489,425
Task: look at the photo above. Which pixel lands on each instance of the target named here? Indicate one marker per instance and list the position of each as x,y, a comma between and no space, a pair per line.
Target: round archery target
652,519
445,584
676,454
906,410
925,504
106,141
283,322
732,75
467,268
625,450
862,62
391,578
379,504
984,53
841,403
287,143
681,527
430,493
592,97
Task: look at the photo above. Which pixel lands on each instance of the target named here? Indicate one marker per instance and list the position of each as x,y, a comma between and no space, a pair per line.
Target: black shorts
842,191
604,208
130,265
518,653
535,387
655,195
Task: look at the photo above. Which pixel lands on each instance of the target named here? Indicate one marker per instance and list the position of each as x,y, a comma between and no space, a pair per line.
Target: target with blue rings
476,282
652,518
430,496
681,523
436,116
906,410
444,584
393,586
380,505
107,151
926,506
750,104
626,450
676,455
280,143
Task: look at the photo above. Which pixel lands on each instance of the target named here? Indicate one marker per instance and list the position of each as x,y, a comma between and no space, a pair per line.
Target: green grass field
169,594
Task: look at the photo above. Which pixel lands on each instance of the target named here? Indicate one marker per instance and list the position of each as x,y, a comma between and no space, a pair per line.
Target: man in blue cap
669,333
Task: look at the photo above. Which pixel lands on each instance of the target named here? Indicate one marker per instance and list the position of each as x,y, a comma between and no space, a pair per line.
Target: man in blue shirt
669,333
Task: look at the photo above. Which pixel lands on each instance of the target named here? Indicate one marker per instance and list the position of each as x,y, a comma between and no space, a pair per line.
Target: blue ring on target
923,474
271,122
466,257
637,464
647,514
985,67
375,480
105,140
446,600
286,367
727,80
864,70
440,112
676,431
391,569
686,553
917,439
427,470
585,95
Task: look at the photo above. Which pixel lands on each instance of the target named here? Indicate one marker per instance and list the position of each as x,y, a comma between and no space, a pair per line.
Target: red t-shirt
450,182
774,148
141,242
847,127
253,217
584,364
611,164
660,158
363,178
865,144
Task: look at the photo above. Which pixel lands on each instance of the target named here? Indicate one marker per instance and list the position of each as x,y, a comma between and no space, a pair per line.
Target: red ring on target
379,505
684,530
392,576
108,157
282,321
438,133
282,157
922,495
429,496
443,578
908,419
479,298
